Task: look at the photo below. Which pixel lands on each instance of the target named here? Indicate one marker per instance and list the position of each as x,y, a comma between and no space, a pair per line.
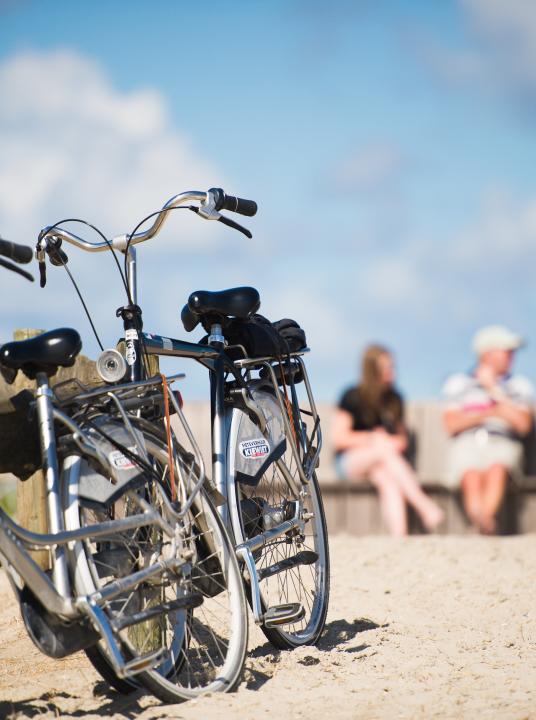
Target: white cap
496,337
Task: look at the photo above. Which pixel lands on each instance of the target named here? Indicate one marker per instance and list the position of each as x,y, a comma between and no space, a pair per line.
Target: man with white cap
488,413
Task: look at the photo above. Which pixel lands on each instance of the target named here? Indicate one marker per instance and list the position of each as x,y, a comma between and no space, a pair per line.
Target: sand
427,627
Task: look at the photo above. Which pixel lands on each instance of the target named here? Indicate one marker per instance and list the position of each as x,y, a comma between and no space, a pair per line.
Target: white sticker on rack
167,344
130,353
131,334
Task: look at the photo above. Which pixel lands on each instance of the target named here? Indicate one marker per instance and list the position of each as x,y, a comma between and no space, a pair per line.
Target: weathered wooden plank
31,494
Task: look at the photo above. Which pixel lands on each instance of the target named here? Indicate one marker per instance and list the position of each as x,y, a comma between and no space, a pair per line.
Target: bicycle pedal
143,662
187,602
283,615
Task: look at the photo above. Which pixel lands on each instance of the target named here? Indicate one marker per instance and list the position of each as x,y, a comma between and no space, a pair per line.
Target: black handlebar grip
239,205
234,204
19,253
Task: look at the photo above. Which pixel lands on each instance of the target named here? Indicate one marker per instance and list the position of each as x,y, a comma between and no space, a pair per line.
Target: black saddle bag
292,334
20,451
262,338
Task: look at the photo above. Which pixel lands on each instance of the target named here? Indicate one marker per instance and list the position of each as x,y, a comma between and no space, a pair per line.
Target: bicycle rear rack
128,398
307,454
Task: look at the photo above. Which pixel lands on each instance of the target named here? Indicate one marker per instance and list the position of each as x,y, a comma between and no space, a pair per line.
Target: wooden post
31,494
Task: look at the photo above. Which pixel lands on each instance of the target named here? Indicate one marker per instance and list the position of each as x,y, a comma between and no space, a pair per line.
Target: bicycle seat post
217,402
45,417
216,338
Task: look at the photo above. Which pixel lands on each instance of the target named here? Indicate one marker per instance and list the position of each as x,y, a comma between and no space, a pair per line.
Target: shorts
341,466
479,450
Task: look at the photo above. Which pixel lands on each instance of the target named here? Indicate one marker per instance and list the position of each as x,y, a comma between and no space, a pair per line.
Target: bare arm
456,421
518,417
401,440
343,437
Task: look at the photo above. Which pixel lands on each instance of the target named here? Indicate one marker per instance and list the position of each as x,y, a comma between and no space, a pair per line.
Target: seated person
488,413
370,439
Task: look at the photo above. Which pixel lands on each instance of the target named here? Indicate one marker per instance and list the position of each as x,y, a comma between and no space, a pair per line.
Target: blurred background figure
488,413
370,439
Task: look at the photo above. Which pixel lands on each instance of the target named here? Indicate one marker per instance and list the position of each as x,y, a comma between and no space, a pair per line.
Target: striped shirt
464,392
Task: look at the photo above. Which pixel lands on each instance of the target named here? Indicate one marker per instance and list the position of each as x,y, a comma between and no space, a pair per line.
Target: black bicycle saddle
240,302
43,353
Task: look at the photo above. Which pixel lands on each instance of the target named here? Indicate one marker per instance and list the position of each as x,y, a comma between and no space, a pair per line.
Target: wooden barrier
353,507
350,507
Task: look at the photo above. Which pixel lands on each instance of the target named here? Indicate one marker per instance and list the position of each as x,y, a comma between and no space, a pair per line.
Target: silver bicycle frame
222,436
212,358
15,541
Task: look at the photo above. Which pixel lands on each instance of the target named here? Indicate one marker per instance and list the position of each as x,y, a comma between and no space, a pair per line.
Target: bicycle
275,512
144,577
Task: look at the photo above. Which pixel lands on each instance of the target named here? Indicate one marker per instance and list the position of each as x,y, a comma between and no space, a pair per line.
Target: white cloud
66,85
394,281
484,266
73,144
504,235
500,54
510,28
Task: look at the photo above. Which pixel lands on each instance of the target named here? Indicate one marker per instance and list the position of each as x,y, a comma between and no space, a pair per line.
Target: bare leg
472,488
360,461
392,503
396,482
495,480
429,512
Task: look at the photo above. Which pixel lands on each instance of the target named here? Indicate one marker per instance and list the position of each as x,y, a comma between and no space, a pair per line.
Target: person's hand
385,441
486,377
379,437
399,443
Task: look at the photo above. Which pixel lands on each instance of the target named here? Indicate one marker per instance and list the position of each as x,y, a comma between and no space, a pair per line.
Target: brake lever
226,221
40,254
16,269
232,224
42,273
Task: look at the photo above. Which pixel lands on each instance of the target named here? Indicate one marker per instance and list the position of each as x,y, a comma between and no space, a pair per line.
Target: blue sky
390,146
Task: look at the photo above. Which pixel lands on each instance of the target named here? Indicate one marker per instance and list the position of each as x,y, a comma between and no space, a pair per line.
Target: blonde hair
370,385
371,390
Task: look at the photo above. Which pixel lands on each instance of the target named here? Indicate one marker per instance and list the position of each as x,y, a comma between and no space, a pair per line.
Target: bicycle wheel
205,645
294,567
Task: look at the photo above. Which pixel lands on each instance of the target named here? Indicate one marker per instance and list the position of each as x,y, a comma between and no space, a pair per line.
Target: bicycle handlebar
209,203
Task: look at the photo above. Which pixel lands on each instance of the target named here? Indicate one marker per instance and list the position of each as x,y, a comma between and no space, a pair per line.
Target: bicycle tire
307,585
210,653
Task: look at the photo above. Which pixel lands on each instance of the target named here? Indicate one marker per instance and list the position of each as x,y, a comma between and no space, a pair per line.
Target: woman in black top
370,439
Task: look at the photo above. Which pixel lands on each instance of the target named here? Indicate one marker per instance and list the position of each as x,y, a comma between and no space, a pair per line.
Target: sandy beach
428,627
